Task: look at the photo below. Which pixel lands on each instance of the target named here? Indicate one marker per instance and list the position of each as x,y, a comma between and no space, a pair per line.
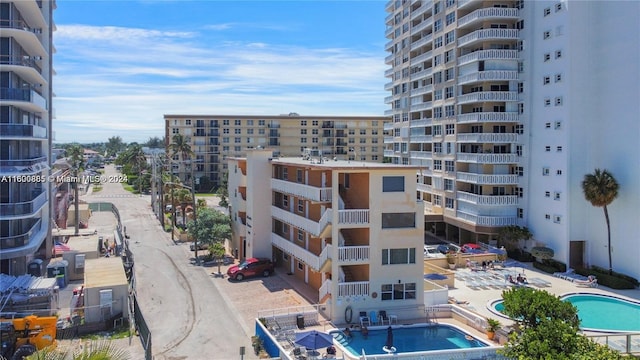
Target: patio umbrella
435,276
388,345
313,339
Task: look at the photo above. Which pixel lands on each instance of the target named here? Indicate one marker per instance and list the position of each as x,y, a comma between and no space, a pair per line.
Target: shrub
544,267
626,277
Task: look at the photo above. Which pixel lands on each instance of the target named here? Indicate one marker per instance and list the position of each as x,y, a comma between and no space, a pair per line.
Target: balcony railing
423,25
24,208
421,122
387,139
487,220
487,138
353,253
423,41
388,153
487,179
28,95
488,96
353,288
300,190
353,217
488,55
325,289
489,34
421,155
422,90
20,61
422,106
387,126
487,158
314,261
425,188
487,117
24,166
20,240
422,57
490,13
490,75
23,130
487,199
423,73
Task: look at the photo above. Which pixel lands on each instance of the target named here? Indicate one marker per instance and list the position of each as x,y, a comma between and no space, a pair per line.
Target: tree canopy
210,227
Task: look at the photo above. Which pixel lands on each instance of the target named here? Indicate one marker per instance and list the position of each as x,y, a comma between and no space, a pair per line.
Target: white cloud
121,81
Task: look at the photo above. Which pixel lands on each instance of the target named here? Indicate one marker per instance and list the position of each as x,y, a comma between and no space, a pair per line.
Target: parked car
447,248
251,267
201,246
431,251
471,248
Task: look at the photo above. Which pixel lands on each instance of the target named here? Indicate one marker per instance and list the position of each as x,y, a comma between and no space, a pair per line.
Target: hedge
612,281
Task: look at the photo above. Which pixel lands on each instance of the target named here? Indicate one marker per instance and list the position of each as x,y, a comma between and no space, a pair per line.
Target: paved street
191,313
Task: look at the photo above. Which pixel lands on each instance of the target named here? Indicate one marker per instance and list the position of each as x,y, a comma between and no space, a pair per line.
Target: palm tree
94,350
75,153
136,159
600,189
180,146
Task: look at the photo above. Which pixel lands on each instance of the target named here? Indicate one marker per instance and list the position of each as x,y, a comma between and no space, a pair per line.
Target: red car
471,248
251,267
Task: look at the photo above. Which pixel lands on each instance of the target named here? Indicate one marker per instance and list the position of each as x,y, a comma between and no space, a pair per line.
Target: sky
121,65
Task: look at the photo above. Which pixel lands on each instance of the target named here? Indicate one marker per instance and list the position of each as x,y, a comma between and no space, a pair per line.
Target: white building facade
506,105
26,47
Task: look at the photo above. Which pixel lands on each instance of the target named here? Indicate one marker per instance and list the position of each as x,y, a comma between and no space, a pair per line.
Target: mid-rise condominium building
213,138
506,105
25,131
351,230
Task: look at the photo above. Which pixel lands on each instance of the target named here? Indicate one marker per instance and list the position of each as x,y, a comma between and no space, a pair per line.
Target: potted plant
451,260
492,326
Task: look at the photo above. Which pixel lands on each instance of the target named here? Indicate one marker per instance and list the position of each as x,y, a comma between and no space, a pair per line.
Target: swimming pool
597,312
408,338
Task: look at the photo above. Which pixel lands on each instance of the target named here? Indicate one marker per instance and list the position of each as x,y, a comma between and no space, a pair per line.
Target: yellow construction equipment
22,337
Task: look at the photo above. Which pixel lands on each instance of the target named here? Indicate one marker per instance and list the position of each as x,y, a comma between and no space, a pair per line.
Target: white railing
325,255
494,54
422,57
424,6
489,75
420,122
488,96
423,41
423,25
493,13
488,158
422,106
296,251
511,34
422,73
353,253
421,138
388,152
352,217
325,289
463,3
387,126
353,288
501,179
301,190
422,90
487,199
387,140
421,154
487,220
488,137
325,220
487,117
315,228
424,188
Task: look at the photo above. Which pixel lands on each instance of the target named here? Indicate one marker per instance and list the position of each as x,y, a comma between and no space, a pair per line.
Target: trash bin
300,321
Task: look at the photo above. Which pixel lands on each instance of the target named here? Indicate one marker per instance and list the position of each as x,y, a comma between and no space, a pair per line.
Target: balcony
422,106
388,72
303,191
389,153
422,57
24,166
425,155
388,86
421,74
487,158
425,188
389,112
25,208
387,126
487,117
424,6
421,123
488,55
487,179
483,96
353,288
389,59
423,25
351,255
422,139
308,225
421,42
487,220
23,131
27,98
491,75
487,199
487,138
17,241
387,139
304,255
486,14
353,217
489,34
422,90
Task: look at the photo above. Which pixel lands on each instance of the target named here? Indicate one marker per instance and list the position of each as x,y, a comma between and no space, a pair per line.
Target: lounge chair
383,317
590,282
364,319
373,317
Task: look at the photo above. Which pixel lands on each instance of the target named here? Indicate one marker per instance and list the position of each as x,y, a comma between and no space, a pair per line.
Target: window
546,35
449,3
547,148
558,101
237,140
547,102
448,203
450,129
303,122
520,213
449,55
520,88
558,172
545,171
558,148
547,11
437,42
299,176
558,7
520,108
300,266
450,37
545,80
437,164
300,235
449,110
398,256
398,220
393,184
437,60
303,131
285,201
519,150
558,125
187,122
556,196
437,25
300,205
519,170
558,54
547,216
558,77
519,129
237,131
547,194
437,200
449,74
237,122
448,185
437,113
448,92
547,57
547,125
449,166
398,291
437,94
285,228
557,219
436,8
518,191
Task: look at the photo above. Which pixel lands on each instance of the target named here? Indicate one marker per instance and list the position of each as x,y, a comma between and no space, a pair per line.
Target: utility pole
195,206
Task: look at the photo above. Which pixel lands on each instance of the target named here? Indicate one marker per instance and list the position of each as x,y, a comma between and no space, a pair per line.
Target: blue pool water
600,312
409,339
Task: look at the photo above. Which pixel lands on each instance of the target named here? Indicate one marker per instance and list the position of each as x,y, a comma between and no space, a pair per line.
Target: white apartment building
26,72
506,105
351,230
